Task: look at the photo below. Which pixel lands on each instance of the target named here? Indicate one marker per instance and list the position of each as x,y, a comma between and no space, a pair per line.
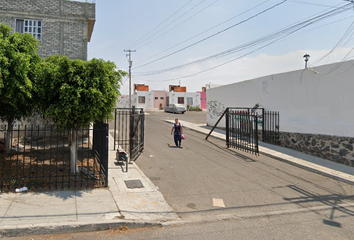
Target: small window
201,99
180,100
30,26
141,99
156,98
161,98
189,101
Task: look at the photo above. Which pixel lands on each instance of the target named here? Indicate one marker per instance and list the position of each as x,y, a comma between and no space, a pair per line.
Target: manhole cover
134,184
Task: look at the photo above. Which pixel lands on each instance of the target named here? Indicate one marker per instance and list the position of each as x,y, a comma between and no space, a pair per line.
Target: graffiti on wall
215,109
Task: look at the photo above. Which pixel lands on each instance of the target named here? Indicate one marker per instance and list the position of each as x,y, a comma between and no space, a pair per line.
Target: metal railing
245,126
242,130
129,131
270,127
39,159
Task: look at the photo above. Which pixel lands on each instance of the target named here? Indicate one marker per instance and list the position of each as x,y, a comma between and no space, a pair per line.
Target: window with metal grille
30,26
180,100
141,99
189,101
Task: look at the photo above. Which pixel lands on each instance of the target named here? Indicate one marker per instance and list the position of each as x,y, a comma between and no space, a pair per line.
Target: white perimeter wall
319,101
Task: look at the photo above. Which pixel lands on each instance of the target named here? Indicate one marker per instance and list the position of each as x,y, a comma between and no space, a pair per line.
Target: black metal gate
129,131
243,126
100,146
270,127
242,130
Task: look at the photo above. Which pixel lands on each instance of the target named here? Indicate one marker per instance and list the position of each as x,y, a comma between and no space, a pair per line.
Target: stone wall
66,25
333,148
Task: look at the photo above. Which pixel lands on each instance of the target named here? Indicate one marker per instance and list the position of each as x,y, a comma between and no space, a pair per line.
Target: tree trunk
73,152
9,135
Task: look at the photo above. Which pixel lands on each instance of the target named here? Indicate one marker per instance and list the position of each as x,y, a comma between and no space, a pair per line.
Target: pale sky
167,34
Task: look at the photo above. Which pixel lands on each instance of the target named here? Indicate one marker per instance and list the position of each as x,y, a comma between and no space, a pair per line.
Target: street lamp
306,57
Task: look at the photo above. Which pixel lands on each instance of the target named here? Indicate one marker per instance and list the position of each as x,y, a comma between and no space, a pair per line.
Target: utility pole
130,75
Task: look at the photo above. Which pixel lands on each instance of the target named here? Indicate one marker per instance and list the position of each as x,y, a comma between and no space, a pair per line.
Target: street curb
262,214
338,178
309,168
44,229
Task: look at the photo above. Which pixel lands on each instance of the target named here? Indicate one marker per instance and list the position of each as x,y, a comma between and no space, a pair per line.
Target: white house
152,100
184,98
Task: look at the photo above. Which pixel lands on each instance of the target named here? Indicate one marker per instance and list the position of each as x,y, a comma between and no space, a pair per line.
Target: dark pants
178,139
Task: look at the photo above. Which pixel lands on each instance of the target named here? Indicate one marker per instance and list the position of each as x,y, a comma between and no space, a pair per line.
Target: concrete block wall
65,27
333,148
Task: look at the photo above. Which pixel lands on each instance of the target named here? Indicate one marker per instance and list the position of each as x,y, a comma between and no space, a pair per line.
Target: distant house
203,103
159,99
61,26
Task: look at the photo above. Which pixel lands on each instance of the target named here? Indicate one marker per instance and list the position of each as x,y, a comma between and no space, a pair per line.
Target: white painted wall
173,98
123,101
318,101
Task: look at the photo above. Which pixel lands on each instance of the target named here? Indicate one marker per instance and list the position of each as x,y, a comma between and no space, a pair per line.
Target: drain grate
134,184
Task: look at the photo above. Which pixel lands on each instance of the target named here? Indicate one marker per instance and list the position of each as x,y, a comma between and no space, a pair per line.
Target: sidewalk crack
2,218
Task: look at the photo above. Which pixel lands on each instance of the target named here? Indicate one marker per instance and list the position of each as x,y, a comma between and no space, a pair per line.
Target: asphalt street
296,226
248,185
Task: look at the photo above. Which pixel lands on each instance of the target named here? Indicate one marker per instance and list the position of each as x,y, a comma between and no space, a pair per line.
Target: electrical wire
176,25
197,35
179,24
136,42
171,22
313,4
213,35
242,47
348,32
164,21
277,36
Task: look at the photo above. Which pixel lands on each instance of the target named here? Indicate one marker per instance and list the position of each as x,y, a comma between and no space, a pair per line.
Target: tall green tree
76,93
19,64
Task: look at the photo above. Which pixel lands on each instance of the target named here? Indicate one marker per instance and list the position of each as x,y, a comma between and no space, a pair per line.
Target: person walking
177,129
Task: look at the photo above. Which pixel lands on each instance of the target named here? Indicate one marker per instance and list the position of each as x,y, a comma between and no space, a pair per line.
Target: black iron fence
242,130
129,131
39,158
245,126
270,127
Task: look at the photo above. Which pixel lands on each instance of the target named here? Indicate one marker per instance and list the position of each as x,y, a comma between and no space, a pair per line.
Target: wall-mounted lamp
306,58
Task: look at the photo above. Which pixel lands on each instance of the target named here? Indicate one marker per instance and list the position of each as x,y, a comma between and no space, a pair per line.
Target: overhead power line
271,38
161,23
215,34
164,21
180,23
240,14
171,22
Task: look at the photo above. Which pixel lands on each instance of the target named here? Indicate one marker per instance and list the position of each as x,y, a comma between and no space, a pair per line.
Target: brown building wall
141,87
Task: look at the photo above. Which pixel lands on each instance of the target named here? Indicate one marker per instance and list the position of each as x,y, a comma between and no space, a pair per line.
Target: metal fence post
256,135
142,128
227,128
105,151
115,129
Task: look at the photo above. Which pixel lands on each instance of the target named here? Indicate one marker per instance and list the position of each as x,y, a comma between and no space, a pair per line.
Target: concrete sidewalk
305,161
90,210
